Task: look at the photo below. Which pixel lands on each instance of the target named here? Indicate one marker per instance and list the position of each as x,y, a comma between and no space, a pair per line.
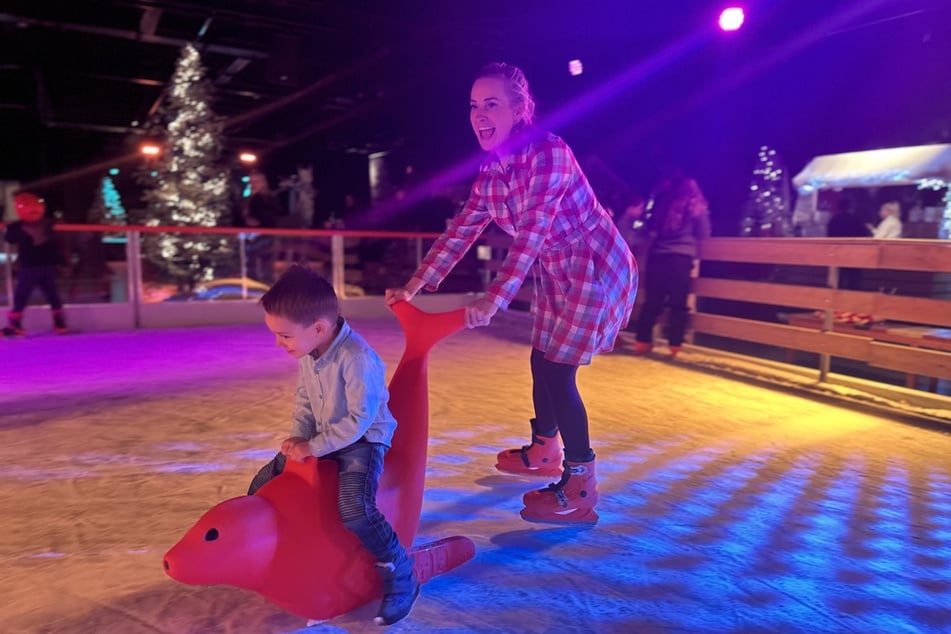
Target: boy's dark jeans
359,467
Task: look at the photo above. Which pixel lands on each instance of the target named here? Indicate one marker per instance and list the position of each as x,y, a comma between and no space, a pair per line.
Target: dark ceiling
78,79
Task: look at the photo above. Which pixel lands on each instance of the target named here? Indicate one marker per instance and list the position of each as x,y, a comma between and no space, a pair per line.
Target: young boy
340,413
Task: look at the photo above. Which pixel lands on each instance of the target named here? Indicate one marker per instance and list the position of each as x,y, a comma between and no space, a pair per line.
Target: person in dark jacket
261,210
845,223
678,220
38,257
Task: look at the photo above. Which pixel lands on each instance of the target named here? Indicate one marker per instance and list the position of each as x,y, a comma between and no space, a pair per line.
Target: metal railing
119,268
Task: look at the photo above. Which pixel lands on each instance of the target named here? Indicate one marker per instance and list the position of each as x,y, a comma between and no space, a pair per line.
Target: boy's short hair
303,296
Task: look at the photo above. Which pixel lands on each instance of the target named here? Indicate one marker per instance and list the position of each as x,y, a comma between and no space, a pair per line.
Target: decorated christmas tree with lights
186,185
768,212
107,208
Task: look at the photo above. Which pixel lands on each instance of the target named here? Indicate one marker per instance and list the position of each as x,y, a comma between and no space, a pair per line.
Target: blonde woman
890,226
531,186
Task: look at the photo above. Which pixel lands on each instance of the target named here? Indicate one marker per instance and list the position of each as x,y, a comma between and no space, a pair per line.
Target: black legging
667,282
558,405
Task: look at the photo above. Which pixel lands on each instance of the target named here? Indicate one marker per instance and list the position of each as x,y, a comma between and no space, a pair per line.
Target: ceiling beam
148,23
238,122
132,36
140,81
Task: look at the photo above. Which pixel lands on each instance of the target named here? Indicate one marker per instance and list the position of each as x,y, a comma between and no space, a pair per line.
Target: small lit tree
186,185
107,208
768,210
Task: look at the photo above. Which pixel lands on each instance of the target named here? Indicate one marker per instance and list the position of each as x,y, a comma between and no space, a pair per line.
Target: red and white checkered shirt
587,275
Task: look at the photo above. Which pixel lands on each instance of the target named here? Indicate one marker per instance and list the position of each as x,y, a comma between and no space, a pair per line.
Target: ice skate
541,458
570,500
14,327
641,348
59,322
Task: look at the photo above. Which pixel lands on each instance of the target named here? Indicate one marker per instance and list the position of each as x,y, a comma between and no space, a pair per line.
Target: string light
768,213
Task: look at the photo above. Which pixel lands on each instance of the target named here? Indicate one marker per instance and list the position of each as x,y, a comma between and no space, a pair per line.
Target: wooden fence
909,334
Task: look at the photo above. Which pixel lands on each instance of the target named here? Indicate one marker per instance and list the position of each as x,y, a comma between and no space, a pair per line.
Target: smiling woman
532,187
501,103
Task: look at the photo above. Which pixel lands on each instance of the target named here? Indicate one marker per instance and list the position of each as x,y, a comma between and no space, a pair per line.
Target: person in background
890,225
630,223
341,413
531,186
260,210
262,207
845,223
678,220
38,260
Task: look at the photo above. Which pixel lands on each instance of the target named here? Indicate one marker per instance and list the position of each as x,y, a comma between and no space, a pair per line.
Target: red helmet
29,207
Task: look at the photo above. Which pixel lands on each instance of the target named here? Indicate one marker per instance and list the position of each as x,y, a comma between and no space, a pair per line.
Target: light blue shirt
342,396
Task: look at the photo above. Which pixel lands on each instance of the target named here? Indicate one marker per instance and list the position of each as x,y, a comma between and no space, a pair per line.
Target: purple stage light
575,67
731,19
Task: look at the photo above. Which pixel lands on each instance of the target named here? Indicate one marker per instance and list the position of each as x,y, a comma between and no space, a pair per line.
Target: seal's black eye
211,535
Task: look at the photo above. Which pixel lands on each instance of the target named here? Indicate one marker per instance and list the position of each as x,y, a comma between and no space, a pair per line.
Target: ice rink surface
726,506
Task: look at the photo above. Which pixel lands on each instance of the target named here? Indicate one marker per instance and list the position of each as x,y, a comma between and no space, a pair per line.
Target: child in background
38,257
340,413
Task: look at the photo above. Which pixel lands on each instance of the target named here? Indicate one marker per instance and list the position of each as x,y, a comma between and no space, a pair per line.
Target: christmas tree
768,211
107,208
186,185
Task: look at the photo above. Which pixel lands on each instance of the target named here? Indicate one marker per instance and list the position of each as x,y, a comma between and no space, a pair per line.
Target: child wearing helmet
37,257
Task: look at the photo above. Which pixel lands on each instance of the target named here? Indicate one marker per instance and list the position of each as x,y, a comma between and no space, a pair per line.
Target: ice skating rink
726,506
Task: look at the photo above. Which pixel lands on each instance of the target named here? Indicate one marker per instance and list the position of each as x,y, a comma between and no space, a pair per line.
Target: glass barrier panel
202,266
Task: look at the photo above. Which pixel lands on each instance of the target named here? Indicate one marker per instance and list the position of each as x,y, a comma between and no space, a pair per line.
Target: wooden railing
908,334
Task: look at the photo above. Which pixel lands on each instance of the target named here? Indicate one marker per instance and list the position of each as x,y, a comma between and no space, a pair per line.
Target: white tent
875,168
926,166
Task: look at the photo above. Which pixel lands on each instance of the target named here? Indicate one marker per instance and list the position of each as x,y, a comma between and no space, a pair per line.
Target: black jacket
35,243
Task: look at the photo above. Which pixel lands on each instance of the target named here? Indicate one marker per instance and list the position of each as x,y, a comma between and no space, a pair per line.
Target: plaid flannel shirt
587,276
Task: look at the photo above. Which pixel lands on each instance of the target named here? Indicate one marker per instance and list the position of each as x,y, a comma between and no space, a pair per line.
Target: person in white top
890,226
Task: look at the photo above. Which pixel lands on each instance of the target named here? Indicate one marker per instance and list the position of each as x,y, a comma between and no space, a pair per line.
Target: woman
890,226
531,186
679,220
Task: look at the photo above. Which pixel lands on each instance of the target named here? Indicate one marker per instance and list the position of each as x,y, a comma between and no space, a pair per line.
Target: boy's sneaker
400,590
10,331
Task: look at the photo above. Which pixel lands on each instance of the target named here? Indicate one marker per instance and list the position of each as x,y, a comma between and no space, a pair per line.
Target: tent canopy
875,168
